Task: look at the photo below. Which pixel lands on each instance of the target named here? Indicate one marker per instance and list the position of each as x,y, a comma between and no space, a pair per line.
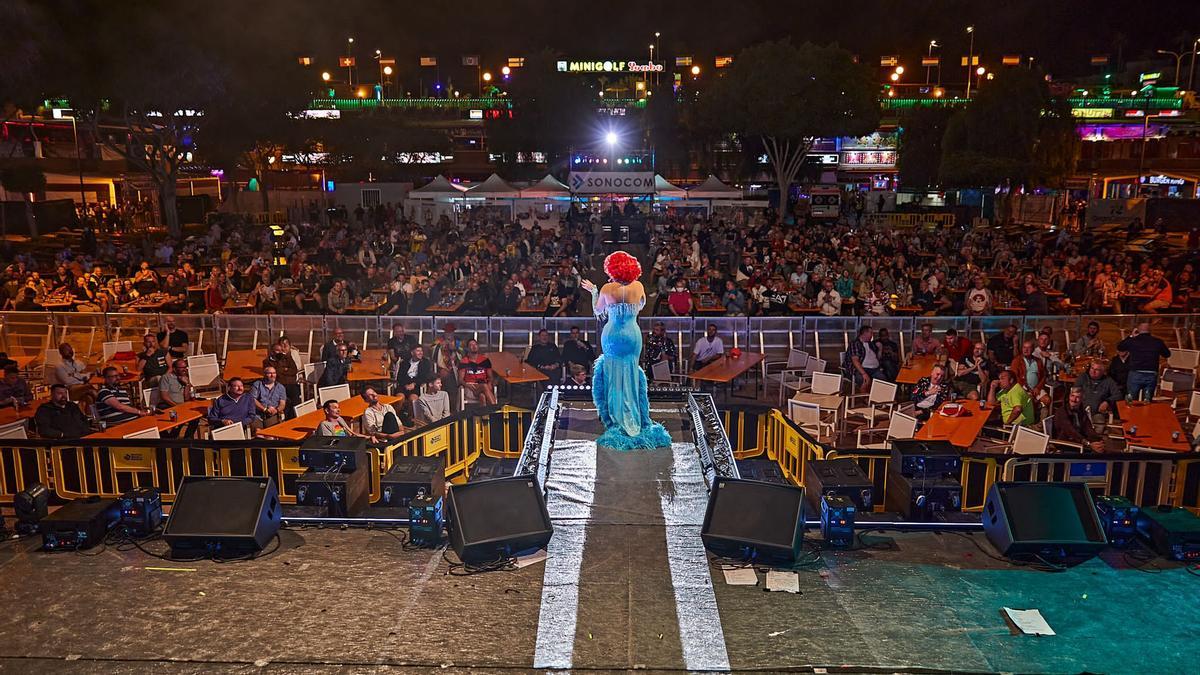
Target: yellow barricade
21,467
248,461
109,471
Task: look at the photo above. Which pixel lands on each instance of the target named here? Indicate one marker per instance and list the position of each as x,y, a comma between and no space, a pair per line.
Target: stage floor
334,600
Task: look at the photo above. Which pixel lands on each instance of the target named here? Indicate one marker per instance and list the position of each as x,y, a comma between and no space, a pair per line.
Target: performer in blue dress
618,382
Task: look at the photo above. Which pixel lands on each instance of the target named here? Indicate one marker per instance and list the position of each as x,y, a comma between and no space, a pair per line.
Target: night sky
1061,34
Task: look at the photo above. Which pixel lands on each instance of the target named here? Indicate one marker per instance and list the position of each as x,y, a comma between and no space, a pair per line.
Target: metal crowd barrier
108,468
826,337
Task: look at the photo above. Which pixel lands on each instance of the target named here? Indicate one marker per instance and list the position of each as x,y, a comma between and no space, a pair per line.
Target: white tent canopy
546,187
438,188
495,187
713,188
664,188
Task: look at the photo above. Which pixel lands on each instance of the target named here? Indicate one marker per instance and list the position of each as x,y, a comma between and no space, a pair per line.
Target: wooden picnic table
707,303
916,368
186,413
961,431
506,366
10,415
534,304
244,363
450,304
369,368
368,306
825,401
300,428
726,368
1155,423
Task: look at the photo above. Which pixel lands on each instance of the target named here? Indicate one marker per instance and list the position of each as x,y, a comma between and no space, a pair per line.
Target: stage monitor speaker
750,519
223,516
493,519
1046,520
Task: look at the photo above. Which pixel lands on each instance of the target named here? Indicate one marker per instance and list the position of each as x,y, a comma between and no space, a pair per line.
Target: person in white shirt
380,421
707,349
979,299
829,301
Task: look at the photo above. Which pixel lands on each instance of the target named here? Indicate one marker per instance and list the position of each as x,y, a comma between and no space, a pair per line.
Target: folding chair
305,407
808,417
338,392
232,432
152,432
900,426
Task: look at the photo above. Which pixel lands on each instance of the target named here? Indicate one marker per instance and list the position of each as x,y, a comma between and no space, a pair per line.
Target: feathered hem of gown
649,438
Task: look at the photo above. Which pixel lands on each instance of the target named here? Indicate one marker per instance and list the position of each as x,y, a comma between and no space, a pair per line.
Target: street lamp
932,44
505,71
325,76
695,71
350,60
487,77
980,71
1178,60
970,58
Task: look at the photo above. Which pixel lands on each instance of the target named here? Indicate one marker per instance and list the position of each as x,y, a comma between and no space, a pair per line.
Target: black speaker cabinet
343,493
1048,520
410,476
750,519
223,516
842,476
337,453
493,519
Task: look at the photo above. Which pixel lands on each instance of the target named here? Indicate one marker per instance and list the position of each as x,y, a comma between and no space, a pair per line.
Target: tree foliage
1013,133
919,152
789,96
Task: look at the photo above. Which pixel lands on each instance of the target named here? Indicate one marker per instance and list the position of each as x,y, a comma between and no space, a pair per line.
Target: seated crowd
1021,376
374,262
759,267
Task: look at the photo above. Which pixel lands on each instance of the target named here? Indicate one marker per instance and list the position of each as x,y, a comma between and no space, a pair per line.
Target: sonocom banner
612,182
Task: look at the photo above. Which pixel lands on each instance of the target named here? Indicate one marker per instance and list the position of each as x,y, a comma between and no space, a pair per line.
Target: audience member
234,406
269,396
1016,406
546,357
1144,350
58,418
433,403
1072,423
708,348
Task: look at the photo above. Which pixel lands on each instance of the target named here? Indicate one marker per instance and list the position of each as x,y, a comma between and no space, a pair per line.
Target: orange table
244,363
726,368
187,412
528,306
961,431
300,428
122,378
1155,423
25,360
368,368
9,414
917,367
512,370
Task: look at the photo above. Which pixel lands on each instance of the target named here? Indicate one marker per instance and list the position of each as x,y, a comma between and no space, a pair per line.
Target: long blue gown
619,384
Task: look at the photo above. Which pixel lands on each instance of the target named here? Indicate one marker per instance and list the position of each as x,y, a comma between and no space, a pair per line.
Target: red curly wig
622,267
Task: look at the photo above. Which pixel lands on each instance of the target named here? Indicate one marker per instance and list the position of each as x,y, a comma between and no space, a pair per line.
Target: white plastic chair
14,430
880,400
1048,429
312,373
808,417
1180,373
152,432
660,373
338,392
232,432
205,375
1028,441
305,407
794,366
826,383
108,349
900,426
815,365
151,397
